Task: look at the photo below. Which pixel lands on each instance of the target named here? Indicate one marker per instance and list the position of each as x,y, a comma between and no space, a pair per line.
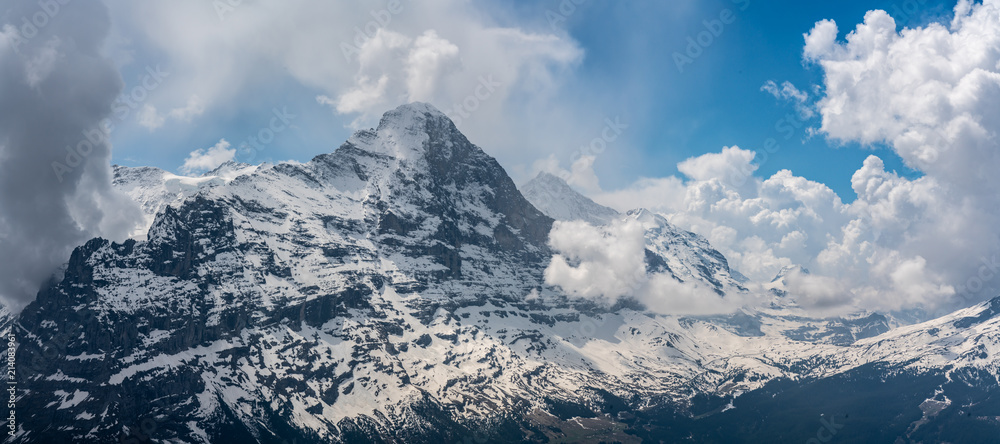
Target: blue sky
628,70
717,101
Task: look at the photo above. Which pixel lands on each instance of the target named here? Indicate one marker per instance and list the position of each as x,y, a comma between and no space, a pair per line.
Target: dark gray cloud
56,88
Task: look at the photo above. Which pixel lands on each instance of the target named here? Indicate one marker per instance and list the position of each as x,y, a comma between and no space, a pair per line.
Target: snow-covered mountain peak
658,223
405,132
781,279
549,180
554,197
685,255
647,218
414,110
231,170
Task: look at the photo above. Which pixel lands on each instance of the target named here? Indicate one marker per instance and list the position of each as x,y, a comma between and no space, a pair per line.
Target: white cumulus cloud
609,260
208,159
930,93
605,264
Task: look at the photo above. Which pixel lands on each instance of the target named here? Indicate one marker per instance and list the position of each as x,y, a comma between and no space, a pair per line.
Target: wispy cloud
789,93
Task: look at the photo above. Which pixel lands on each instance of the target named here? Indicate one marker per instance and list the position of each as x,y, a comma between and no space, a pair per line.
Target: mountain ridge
394,290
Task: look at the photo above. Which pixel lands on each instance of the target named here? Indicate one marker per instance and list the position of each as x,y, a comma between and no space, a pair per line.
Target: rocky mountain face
155,189
393,291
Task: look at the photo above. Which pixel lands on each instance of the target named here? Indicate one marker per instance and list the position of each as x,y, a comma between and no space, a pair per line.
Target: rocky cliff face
393,291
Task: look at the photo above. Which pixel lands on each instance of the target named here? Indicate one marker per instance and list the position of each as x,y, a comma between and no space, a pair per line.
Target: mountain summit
554,197
326,298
